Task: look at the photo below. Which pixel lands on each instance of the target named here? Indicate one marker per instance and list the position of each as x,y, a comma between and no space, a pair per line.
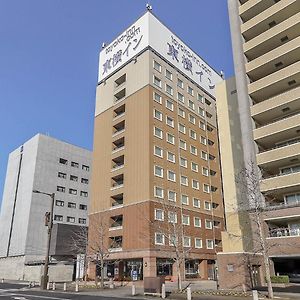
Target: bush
280,279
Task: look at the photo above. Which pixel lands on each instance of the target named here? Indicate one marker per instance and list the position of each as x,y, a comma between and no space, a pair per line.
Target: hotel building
156,146
266,96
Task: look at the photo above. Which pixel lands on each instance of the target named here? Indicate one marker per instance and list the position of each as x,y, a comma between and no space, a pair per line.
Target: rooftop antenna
222,74
103,45
149,7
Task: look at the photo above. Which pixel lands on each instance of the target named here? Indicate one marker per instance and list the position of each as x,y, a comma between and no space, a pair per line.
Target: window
170,156
209,244
202,125
156,66
190,91
82,206
171,176
181,128
157,97
120,80
84,180
73,178
83,194
58,218
198,243
158,171
180,97
192,119
73,191
204,155
171,138
170,121
206,188
61,189
168,74
169,105
157,114
207,102
184,199
158,132
159,214
158,151
74,164
181,112
207,205
208,224
197,222
196,202
209,128
200,98
71,219
159,238
193,134
173,240
194,167
208,115
82,221
180,83
203,140
183,162
185,220
157,81
191,105
182,144
186,241
193,150
172,217
205,171
158,192
71,205
195,184
172,196
63,161
59,203
62,175
85,168
201,112
169,89
211,157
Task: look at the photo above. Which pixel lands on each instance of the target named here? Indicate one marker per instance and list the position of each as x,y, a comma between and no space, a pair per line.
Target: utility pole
49,224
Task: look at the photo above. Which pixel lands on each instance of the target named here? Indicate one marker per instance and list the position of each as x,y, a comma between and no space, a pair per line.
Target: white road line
43,297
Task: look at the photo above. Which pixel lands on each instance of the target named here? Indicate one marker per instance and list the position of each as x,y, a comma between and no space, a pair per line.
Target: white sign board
149,31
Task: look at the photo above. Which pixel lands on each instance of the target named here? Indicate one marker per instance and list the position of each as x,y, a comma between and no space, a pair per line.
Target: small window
192,119
169,74
202,125
193,150
157,114
171,138
158,171
182,144
206,188
71,205
74,164
181,128
210,142
169,89
59,203
172,196
158,151
180,83
63,161
58,218
169,105
194,167
159,214
71,219
190,91
198,243
183,162
61,189
209,244
171,175
208,224
158,132
195,184
197,222
207,205
184,180
82,206
120,80
172,217
196,202
209,115
159,238
207,102
203,140
184,199
191,105
170,121
186,241
73,178
201,112
82,221
209,128
180,97
85,168
171,157
205,171
181,112
73,191
84,180
200,98
157,97
185,220
204,155
193,134
157,81
62,175
158,192
83,194
156,66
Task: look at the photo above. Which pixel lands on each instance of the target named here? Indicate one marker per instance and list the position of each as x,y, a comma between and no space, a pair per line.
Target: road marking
19,298
42,297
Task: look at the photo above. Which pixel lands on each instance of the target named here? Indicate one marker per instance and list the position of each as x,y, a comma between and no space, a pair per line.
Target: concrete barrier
133,293
76,287
163,291
65,286
189,293
255,295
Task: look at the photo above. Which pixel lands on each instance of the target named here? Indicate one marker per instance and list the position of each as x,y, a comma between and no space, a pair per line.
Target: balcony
117,201
284,232
116,223
117,163
119,112
115,243
287,30
120,81
120,95
251,8
118,145
275,83
118,128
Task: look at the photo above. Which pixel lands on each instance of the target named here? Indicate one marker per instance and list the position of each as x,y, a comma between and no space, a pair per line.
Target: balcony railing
280,146
284,232
116,186
118,149
118,132
117,167
278,119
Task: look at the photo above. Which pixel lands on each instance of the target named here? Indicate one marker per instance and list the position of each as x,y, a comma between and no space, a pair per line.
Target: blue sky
49,59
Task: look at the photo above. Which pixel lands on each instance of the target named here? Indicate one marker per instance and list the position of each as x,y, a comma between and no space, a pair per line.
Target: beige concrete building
156,148
266,49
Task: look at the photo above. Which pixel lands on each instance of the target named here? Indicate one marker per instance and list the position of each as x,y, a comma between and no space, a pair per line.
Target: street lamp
49,224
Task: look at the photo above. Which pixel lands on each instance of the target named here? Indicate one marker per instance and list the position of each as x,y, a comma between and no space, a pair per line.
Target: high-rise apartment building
156,146
51,166
266,50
